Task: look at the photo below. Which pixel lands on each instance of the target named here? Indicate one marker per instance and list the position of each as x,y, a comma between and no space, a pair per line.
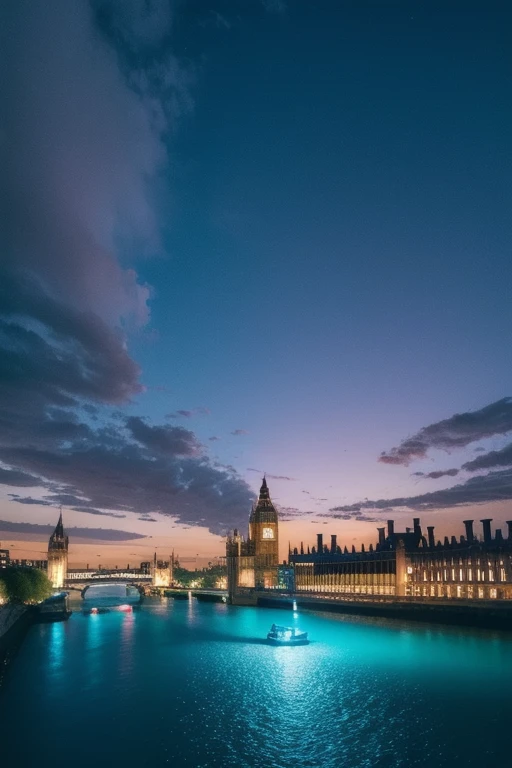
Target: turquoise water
193,684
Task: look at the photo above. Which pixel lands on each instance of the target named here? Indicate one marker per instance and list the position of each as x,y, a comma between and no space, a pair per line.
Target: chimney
391,527
431,539
498,536
362,548
382,535
446,541
333,543
417,526
470,536
454,541
302,547
319,543
487,529
509,524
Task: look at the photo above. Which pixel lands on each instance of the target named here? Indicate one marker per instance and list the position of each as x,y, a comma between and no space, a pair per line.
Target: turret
486,523
470,536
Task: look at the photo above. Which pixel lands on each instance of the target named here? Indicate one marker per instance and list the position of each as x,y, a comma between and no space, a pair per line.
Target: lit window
493,593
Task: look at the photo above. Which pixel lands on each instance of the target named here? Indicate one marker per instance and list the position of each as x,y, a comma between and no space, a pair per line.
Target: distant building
408,564
58,555
41,564
253,562
4,558
162,572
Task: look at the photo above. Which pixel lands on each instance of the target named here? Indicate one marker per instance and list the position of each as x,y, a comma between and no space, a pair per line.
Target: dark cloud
352,515
100,534
456,432
291,513
271,477
20,479
29,500
92,511
189,414
214,439
239,432
78,151
148,519
436,474
495,486
502,458
167,441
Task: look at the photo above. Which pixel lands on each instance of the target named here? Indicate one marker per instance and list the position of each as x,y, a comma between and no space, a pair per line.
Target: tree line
24,585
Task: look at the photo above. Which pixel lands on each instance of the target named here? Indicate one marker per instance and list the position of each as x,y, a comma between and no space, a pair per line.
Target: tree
3,591
26,585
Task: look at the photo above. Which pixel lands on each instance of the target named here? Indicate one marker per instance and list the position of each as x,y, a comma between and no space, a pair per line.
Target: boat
287,636
54,608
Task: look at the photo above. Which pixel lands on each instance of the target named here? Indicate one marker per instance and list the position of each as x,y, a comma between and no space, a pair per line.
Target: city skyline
221,263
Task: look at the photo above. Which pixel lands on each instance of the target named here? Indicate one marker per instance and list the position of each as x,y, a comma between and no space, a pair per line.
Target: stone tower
58,555
162,572
264,533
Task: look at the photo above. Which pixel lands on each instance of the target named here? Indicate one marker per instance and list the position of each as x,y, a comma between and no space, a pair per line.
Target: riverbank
15,621
482,615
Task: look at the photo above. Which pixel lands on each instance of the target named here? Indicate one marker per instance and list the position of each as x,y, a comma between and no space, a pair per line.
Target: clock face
268,533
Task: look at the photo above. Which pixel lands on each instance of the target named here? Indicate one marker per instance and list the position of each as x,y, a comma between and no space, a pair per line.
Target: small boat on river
287,636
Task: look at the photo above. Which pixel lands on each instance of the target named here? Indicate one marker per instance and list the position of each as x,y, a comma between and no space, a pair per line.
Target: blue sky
298,215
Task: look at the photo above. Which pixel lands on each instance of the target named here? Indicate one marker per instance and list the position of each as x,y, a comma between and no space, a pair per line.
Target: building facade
252,563
4,557
24,563
409,564
162,572
58,555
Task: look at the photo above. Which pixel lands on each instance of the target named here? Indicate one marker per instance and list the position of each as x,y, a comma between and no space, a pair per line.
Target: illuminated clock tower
264,535
58,555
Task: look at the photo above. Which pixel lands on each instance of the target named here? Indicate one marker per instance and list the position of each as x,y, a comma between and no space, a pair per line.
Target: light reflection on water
195,684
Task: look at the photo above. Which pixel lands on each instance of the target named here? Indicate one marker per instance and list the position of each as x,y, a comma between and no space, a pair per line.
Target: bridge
80,578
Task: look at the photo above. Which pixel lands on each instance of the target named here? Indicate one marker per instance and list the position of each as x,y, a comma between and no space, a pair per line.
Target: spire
59,528
264,494
58,539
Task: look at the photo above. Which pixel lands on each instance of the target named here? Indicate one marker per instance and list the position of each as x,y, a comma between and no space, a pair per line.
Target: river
185,683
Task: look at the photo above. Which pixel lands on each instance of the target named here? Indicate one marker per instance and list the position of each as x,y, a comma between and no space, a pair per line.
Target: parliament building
409,564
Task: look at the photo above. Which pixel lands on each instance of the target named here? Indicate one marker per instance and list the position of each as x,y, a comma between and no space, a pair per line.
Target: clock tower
264,534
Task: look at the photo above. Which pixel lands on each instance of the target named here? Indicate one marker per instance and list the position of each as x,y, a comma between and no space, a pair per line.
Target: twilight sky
245,236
